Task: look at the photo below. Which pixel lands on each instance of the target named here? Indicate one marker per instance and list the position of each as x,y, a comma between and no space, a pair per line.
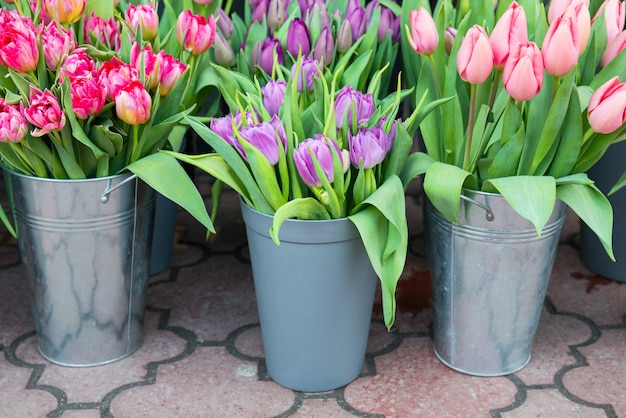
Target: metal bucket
490,274
85,247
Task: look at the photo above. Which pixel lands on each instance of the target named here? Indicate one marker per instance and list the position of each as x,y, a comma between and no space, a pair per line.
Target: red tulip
607,107
475,59
523,72
510,30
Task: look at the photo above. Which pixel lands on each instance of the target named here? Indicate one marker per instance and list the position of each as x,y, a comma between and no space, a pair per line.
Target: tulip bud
298,38
64,11
561,46
44,112
144,16
449,35
309,68
276,13
617,45
319,148
424,36
349,102
273,95
105,31
170,70
262,136
19,43
13,124
203,2
510,30
317,19
474,61
146,63
607,107
224,23
224,55
78,64
386,23
57,43
357,20
133,103
195,32
344,37
324,50
88,96
558,7
614,17
368,147
259,11
580,13
523,71
115,75
266,51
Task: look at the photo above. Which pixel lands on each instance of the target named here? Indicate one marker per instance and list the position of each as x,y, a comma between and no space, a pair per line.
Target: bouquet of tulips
349,39
89,87
535,99
304,148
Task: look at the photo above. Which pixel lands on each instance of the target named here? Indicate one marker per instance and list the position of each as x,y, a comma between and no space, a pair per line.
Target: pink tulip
195,32
133,103
475,59
580,12
523,71
44,112
88,96
614,17
510,30
13,124
57,44
424,35
64,11
105,31
202,2
19,43
170,70
115,74
145,60
607,107
78,64
144,16
561,46
617,45
558,7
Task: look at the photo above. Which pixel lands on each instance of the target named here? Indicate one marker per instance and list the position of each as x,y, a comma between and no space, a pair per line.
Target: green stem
436,73
192,70
588,135
470,128
229,4
494,88
135,152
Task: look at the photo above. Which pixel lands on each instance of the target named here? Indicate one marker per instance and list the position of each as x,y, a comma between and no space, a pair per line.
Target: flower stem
436,73
470,128
494,88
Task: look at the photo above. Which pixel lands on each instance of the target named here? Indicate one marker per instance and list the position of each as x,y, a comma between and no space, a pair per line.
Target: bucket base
100,363
481,373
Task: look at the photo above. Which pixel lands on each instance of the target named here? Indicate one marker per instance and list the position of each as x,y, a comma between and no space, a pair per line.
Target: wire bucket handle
488,212
110,189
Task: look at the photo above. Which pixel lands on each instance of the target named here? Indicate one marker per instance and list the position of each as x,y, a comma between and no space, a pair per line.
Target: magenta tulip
57,43
88,96
474,61
146,63
510,30
143,16
13,124
424,35
19,43
195,32
105,31
115,75
170,70
298,38
523,71
44,112
607,107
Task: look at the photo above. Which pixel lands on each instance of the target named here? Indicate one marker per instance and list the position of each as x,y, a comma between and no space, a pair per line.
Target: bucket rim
53,180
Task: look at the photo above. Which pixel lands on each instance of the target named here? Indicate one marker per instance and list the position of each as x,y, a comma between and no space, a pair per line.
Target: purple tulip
324,49
317,19
277,13
358,21
279,130
386,23
263,56
224,23
309,68
262,136
369,147
224,55
320,147
298,38
344,37
259,10
347,101
273,95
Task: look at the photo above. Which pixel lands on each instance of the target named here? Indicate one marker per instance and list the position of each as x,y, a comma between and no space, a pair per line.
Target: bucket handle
110,189
489,213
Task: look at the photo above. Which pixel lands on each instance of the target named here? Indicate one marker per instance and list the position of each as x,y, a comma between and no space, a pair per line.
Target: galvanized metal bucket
490,274
85,247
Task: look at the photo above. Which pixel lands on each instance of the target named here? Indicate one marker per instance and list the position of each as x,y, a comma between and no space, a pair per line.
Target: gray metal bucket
315,294
163,235
85,248
490,274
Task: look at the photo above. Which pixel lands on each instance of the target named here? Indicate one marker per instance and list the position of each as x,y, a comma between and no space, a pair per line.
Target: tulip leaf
443,184
416,164
305,208
164,174
381,221
507,159
621,182
593,208
532,197
570,141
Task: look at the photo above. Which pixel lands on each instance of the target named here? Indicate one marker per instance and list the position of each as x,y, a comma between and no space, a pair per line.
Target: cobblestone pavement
202,354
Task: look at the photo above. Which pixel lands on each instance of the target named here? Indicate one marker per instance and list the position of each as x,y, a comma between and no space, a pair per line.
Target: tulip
276,13
279,130
146,63
224,55
350,102
13,124
523,71
580,12
558,7
64,11
614,17
224,128
203,2
561,46
265,52
224,23
273,95
57,43
617,45
105,31
357,20
259,10
317,19
368,147
324,50
344,37
475,58
319,148
449,35
78,64
144,16
298,38
386,23
607,107
510,30
195,32
424,36
263,137
44,112
19,43
133,103
115,75
170,70
88,96
309,68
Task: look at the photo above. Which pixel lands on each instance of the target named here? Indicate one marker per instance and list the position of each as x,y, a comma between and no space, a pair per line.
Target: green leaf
302,208
381,221
621,182
532,197
593,208
164,174
443,184
415,165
